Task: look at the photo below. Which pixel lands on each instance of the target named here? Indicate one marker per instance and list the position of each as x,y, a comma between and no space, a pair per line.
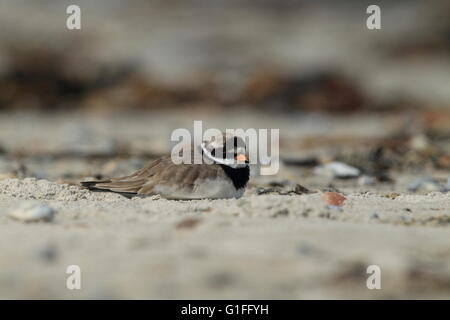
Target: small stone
32,211
333,199
48,253
281,213
375,216
334,208
419,142
443,161
261,190
306,249
392,195
337,169
203,208
188,223
306,212
406,220
299,189
279,184
426,184
366,180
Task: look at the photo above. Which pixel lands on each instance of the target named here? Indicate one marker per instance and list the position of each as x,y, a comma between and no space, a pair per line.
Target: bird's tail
92,185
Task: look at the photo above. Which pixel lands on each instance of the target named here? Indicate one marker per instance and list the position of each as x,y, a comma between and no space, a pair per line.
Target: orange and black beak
241,158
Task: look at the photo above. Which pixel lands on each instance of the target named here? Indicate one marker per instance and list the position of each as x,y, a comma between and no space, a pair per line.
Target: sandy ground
264,245
259,246
275,246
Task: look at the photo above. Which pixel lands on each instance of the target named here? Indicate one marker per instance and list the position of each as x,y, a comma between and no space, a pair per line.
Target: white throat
228,162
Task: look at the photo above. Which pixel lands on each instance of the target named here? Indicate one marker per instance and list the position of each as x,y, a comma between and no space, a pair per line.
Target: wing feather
161,176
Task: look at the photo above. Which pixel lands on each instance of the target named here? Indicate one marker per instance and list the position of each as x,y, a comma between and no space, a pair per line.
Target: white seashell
337,169
32,211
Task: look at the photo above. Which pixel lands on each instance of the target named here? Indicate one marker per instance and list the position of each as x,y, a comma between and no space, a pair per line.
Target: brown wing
128,184
161,173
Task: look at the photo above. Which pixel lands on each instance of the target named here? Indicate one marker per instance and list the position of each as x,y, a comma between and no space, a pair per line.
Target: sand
259,246
264,245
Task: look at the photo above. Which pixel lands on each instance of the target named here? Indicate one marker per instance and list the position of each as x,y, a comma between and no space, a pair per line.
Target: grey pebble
32,211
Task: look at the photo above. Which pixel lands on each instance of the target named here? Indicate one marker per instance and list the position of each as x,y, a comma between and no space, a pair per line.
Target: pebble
392,195
333,199
32,211
48,253
337,169
299,189
188,223
366,180
337,208
426,184
420,142
281,213
307,249
375,216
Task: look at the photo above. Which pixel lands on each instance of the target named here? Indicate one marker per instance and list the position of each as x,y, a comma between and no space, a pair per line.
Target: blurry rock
188,223
302,162
32,211
283,191
437,120
443,162
47,253
328,215
367,180
333,199
281,213
406,220
375,216
441,220
308,249
337,169
320,91
419,142
392,195
299,189
280,184
426,184
262,190
378,163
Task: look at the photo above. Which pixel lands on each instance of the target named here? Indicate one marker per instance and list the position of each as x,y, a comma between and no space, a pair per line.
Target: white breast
204,189
218,189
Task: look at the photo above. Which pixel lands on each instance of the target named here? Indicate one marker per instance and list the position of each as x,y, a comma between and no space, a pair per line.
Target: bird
223,174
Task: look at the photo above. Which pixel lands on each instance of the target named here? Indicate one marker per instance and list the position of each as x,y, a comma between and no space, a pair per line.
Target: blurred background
76,103
73,100
361,112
